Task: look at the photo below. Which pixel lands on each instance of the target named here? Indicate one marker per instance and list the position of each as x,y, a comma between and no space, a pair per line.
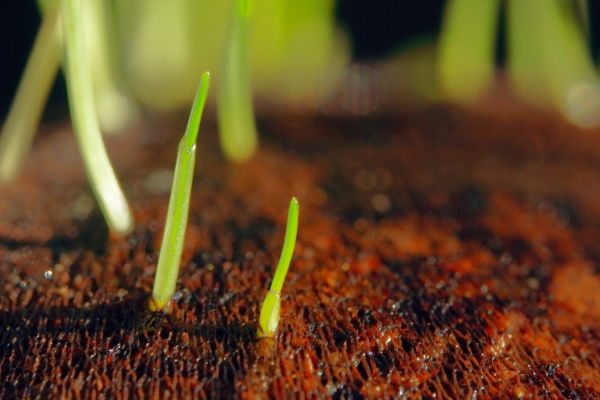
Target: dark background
375,28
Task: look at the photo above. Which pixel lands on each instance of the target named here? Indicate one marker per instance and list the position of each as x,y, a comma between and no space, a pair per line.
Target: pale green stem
100,173
466,48
269,312
26,109
237,128
171,248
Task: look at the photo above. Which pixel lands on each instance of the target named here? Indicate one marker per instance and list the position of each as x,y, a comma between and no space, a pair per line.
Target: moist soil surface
442,254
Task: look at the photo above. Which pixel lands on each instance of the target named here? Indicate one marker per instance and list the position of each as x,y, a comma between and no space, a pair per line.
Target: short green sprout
237,129
85,121
169,258
269,312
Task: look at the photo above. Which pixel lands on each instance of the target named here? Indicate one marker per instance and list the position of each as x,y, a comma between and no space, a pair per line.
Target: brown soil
443,254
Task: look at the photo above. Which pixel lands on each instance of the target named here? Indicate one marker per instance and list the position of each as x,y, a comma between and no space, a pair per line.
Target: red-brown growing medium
439,254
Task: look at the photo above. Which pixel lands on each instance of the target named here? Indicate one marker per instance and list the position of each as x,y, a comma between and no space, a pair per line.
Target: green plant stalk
269,312
237,128
171,248
466,48
26,109
100,173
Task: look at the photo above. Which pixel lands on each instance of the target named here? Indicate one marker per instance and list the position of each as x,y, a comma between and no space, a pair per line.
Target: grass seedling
85,121
26,109
269,312
466,48
237,129
171,248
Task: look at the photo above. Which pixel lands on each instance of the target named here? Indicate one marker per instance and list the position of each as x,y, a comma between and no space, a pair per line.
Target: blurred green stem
237,128
466,48
85,123
27,107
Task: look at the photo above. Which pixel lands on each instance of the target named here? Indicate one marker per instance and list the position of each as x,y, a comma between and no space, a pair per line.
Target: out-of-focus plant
297,54
237,129
157,50
549,60
114,106
466,48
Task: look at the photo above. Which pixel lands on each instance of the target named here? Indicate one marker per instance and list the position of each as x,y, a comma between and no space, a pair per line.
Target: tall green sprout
269,312
85,121
237,129
26,109
171,248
